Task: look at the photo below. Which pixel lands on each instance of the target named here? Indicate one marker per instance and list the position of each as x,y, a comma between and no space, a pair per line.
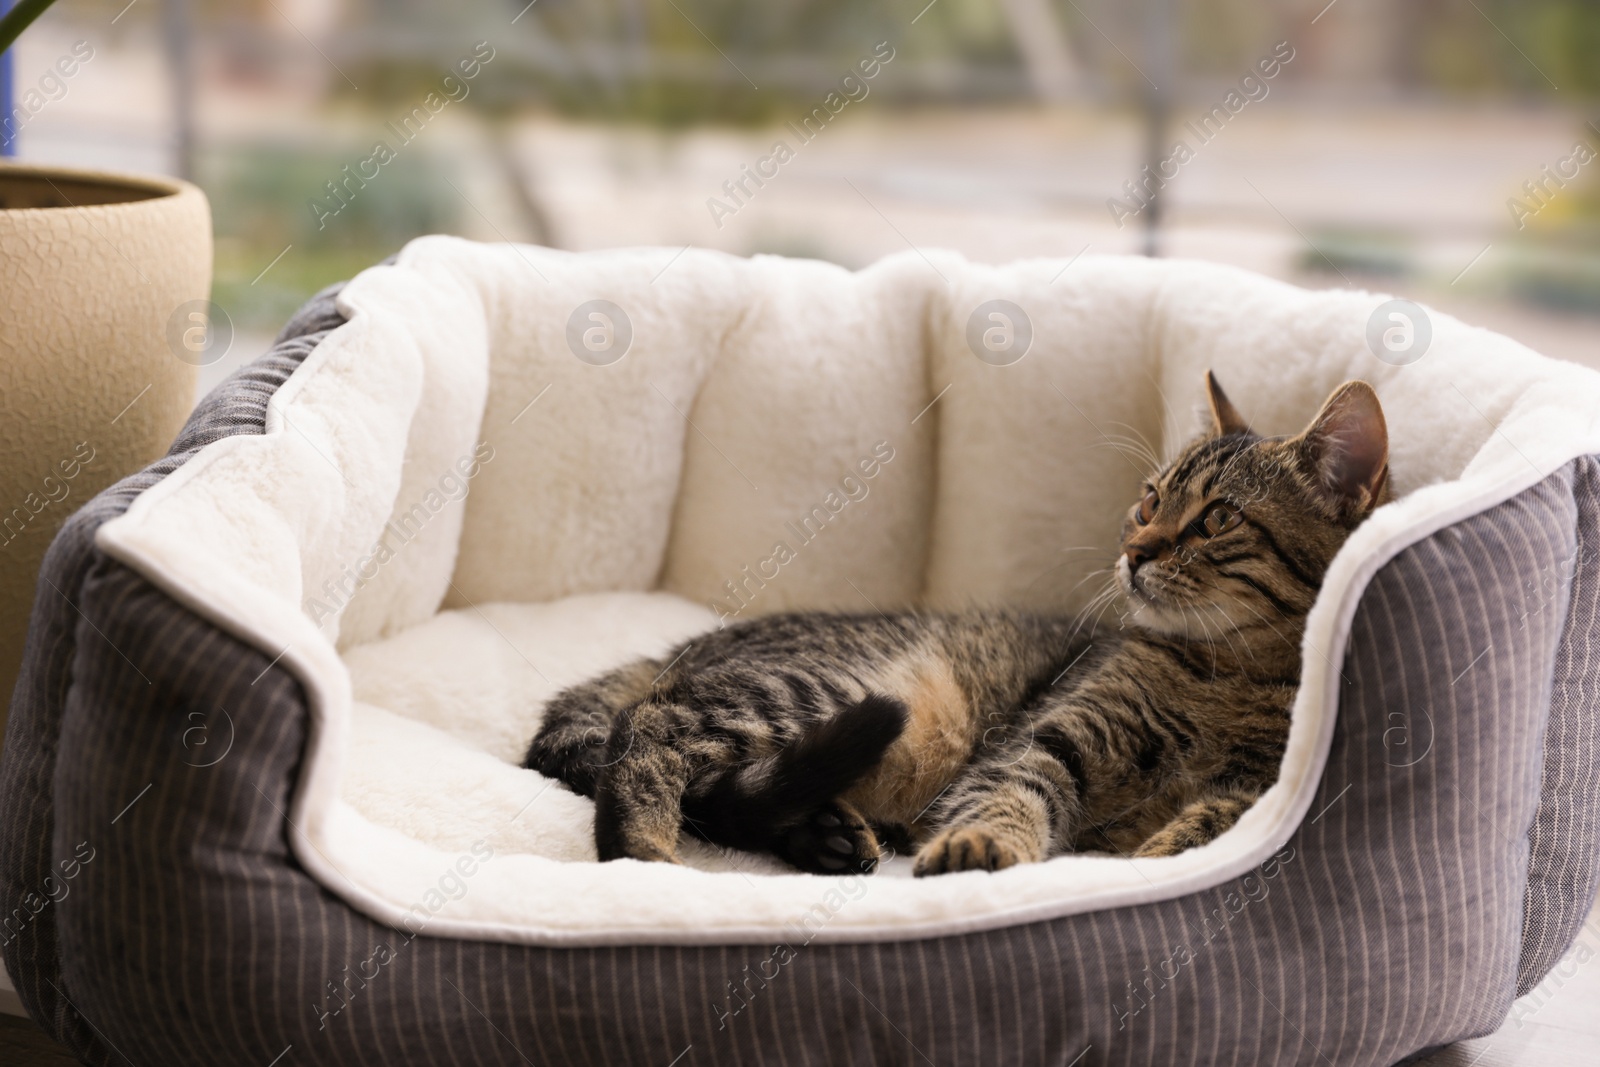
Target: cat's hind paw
833,839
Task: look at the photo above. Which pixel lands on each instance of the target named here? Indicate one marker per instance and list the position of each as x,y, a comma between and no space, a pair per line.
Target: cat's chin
1146,614
1155,611
1170,618
1147,611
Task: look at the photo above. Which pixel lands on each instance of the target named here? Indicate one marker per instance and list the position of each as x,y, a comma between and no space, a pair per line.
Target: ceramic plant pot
100,279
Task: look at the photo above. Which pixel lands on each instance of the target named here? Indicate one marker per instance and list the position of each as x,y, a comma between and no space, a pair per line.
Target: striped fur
990,738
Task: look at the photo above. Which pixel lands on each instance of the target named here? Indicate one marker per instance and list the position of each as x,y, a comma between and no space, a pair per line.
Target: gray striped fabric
1565,841
1444,860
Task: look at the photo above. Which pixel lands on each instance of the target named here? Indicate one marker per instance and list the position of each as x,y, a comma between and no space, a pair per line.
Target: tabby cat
985,739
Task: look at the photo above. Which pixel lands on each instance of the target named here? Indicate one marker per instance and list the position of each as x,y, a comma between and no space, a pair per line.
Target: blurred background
1441,149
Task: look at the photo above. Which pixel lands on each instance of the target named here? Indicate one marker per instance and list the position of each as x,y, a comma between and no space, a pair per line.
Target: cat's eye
1219,518
1147,508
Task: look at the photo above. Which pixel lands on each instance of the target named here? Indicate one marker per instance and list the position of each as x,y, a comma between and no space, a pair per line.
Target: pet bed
260,786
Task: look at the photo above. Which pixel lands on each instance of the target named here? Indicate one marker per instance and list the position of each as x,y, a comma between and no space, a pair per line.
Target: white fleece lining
231,536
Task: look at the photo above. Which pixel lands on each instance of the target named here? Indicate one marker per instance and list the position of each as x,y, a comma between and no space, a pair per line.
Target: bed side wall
402,571
1564,842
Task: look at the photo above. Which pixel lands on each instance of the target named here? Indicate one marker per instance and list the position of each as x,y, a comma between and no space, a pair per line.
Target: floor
23,1044
1556,1025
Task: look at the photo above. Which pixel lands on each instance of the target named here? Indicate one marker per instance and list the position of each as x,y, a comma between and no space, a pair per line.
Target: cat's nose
1138,555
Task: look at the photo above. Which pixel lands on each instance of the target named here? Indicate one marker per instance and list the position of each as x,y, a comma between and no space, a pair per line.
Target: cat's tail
779,790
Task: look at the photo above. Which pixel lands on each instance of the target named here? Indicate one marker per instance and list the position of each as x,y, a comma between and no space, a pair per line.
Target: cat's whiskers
1211,642
1268,624
1234,627
1104,608
1142,465
1162,393
1051,570
1138,448
1149,449
1090,576
1099,600
1103,600
1227,468
1204,635
1224,624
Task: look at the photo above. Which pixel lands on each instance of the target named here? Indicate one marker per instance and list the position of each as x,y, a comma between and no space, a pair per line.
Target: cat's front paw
970,848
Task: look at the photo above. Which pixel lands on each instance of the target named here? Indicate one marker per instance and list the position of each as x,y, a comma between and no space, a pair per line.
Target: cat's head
1239,529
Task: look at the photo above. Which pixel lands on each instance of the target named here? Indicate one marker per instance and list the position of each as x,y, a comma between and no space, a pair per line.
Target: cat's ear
1347,446
1225,418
